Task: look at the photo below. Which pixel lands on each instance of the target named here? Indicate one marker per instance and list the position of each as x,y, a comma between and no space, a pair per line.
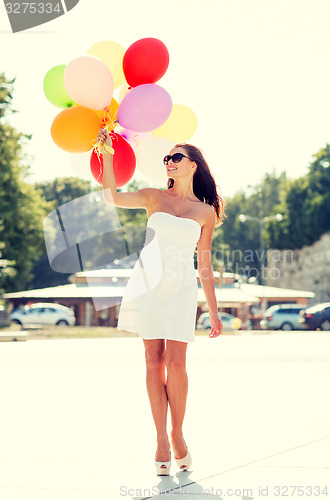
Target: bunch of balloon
142,121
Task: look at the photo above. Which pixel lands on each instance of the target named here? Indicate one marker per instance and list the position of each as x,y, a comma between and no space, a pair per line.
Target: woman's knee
175,364
154,359
175,357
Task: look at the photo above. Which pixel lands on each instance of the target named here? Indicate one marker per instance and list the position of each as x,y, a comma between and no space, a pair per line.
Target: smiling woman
160,298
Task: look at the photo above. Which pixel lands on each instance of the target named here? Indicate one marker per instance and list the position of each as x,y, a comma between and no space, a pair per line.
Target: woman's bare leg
155,380
177,391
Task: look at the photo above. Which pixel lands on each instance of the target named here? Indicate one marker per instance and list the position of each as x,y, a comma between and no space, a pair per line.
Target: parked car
4,318
282,317
229,322
316,317
43,314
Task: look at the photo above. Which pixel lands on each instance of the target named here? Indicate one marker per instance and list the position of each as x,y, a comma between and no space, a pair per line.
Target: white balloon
89,82
132,137
80,164
149,154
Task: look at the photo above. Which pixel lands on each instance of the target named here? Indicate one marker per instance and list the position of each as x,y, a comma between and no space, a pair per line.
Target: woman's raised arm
142,198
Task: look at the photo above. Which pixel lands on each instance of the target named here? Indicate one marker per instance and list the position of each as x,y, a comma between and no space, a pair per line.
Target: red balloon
145,61
124,162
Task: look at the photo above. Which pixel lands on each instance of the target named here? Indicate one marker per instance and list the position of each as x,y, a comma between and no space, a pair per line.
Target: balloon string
99,146
134,139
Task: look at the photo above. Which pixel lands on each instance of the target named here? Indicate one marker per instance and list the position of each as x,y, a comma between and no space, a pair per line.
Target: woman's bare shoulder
152,193
209,214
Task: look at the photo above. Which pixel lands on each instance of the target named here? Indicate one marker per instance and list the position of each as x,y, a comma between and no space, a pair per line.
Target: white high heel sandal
185,462
163,468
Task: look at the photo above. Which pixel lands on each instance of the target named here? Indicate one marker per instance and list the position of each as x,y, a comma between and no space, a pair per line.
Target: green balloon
54,88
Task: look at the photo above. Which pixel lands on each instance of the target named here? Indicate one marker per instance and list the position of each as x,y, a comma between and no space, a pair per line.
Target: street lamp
261,222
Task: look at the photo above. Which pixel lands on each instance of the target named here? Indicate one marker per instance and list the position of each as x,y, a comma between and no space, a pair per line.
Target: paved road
75,421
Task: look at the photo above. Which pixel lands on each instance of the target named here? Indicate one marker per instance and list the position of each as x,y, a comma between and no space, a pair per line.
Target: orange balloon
109,115
75,129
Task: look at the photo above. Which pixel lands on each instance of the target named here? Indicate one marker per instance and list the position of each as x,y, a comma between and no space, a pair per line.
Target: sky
255,72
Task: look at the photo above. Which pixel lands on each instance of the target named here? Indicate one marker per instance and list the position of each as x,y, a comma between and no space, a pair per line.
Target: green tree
319,193
6,268
242,240
60,191
21,207
64,189
56,192
306,207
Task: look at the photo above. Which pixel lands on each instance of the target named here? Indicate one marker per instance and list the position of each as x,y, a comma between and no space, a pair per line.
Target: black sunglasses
176,158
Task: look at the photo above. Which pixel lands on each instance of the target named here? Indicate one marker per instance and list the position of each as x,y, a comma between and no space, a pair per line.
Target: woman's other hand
216,325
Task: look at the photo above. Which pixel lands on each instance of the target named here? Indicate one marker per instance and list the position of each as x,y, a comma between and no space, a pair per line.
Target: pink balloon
145,108
89,82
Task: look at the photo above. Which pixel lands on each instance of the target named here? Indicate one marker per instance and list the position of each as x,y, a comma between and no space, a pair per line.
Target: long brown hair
204,185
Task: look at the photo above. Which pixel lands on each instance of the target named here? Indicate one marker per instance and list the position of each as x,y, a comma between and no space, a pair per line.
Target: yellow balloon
109,115
111,53
124,89
180,126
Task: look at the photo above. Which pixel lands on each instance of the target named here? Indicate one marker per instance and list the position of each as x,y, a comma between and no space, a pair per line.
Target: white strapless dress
160,298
